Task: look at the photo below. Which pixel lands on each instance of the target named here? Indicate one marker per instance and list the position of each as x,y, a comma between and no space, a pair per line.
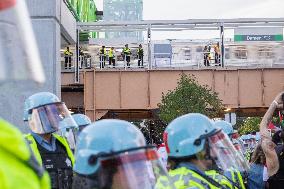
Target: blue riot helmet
225,126
257,137
245,139
46,113
195,136
81,120
228,129
114,154
71,132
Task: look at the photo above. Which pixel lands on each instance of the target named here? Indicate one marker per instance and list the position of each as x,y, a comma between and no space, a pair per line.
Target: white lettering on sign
253,38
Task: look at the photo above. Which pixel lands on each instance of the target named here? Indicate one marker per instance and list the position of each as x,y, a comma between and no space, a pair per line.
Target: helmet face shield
71,135
49,118
131,170
240,154
224,153
19,56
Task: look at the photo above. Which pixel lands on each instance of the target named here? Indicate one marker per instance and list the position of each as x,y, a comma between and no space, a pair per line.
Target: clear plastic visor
131,170
71,135
223,152
49,118
19,56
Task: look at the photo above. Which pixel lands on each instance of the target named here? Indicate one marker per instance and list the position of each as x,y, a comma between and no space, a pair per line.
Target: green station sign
278,37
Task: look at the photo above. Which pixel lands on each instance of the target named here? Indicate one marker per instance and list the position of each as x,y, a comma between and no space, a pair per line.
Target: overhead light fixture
227,109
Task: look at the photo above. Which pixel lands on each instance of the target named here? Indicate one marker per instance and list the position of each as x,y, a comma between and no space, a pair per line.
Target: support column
222,44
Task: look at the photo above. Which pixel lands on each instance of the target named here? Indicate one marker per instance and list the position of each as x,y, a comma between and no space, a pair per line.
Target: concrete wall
46,20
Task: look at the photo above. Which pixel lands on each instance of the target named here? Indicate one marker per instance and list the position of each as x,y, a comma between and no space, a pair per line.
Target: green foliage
250,124
189,97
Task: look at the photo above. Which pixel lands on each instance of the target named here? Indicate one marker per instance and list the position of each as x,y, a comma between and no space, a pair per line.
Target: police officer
45,114
67,57
82,121
217,54
111,57
247,146
233,174
81,57
114,154
18,166
69,132
103,54
140,54
194,146
126,53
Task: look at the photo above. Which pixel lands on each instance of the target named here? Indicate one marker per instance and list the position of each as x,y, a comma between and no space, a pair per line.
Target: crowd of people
210,57
126,54
110,153
107,55
113,154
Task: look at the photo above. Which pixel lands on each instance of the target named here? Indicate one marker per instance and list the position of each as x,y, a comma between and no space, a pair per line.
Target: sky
191,9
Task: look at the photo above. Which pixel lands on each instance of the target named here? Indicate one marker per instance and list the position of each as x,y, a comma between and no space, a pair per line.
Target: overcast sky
190,9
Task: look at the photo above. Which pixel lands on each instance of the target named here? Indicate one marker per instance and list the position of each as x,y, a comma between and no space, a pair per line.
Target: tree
250,124
189,97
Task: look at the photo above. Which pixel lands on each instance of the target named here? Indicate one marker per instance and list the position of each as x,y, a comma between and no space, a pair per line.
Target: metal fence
235,56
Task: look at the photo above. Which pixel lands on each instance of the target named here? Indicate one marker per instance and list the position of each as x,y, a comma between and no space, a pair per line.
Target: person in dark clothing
140,54
206,56
126,52
103,55
277,180
217,54
111,56
81,55
67,56
278,137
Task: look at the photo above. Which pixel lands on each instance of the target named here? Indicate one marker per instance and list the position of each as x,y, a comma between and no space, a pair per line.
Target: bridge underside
134,94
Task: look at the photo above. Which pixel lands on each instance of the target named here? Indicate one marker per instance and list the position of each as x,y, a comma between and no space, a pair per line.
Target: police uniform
127,53
217,54
236,176
140,53
19,169
103,54
58,163
67,58
187,175
111,57
221,179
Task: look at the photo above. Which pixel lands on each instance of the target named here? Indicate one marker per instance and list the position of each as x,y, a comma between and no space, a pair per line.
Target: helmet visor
49,118
240,154
71,136
19,56
132,170
224,153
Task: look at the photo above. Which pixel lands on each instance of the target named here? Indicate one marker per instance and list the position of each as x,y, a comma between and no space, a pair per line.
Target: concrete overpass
134,94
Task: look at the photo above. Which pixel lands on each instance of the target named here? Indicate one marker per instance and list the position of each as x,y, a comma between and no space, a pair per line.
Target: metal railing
197,62
85,62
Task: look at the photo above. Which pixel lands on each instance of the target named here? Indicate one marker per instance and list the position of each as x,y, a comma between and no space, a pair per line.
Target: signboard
258,38
258,34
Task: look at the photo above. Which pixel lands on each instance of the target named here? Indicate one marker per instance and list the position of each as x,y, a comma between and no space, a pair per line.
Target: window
241,52
265,52
187,54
